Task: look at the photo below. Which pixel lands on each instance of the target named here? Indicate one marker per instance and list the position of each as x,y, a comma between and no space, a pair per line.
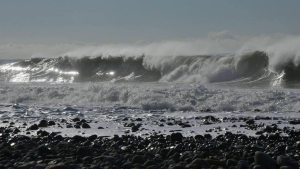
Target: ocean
194,105
218,82
114,87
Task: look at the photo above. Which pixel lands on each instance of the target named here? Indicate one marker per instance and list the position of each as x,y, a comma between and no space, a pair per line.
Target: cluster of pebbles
273,147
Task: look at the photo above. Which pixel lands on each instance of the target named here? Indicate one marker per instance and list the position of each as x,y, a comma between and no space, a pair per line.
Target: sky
33,27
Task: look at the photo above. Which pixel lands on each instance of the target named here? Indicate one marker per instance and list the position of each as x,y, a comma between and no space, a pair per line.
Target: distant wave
251,68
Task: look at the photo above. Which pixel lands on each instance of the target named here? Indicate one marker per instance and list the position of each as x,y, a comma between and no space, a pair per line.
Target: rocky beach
135,84
122,138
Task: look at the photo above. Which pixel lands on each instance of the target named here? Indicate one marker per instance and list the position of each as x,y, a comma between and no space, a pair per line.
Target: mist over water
178,76
260,61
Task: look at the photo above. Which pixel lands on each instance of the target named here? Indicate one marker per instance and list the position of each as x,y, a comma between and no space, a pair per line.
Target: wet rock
94,167
83,121
76,119
6,152
294,122
69,109
287,161
264,160
58,137
92,137
69,126
285,167
198,163
58,166
78,139
185,125
40,166
88,159
85,126
176,137
134,128
34,127
207,136
250,122
231,162
51,123
44,133
138,119
177,166
210,119
216,162
125,119
258,167
150,163
77,126
275,136
26,166
199,137
242,165
43,150
16,130
83,151
127,165
43,123
138,159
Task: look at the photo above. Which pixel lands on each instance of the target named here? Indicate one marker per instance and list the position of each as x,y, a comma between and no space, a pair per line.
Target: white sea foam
152,96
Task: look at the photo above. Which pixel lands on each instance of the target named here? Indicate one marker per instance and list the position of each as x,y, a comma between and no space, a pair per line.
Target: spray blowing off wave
269,62
201,69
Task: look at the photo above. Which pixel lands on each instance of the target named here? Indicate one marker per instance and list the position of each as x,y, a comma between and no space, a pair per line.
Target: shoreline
174,151
120,137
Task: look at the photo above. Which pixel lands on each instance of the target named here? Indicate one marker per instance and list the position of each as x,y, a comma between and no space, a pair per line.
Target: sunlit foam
99,73
20,77
279,79
63,72
111,73
8,67
69,73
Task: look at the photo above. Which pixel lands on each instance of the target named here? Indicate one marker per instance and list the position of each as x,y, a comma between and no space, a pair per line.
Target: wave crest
249,68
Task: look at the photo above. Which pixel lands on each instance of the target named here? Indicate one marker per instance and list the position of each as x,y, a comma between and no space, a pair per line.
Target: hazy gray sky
72,23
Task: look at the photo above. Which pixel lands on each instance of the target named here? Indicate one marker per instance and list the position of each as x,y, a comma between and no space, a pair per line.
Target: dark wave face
249,69
65,69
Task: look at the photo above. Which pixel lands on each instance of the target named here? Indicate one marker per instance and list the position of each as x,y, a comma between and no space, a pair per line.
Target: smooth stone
150,163
242,165
26,166
199,163
85,126
83,151
231,162
59,166
43,150
51,123
287,161
138,159
258,167
34,127
176,137
127,165
285,167
264,160
43,123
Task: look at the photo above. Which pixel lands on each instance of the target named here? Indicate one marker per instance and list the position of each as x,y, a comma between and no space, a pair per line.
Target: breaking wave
250,68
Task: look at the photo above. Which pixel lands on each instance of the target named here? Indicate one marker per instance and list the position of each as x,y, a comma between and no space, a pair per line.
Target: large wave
267,64
230,69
